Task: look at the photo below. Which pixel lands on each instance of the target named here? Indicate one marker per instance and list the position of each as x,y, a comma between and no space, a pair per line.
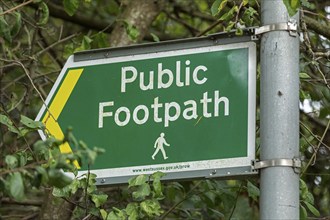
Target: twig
16,7
313,158
181,201
56,43
313,13
320,140
24,202
27,74
86,194
19,169
87,217
239,191
73,203
209,28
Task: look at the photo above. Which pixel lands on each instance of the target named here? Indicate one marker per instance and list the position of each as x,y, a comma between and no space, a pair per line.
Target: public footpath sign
185,109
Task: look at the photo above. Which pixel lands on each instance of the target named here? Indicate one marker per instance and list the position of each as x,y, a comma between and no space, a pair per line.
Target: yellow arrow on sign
56,107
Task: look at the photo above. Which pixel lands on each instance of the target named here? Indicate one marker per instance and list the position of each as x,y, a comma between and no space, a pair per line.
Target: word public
165,112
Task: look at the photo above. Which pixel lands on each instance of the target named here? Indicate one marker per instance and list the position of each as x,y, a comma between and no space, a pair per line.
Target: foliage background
36,38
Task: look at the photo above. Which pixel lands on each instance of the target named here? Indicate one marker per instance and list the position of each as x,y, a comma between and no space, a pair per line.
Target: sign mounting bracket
295,163
290,26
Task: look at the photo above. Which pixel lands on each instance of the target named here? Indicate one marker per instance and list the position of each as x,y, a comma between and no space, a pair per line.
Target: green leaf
44,13
100,40
71,6
42,173
292,6
16,186
239,32
303,75
117,214
58,179
307,4
85,44
17,25
303,212
249,16
312,209
104,214
253,191
245,2
218,6
132,211
5,29
6,121
230,14
151,207
142,192
31,123
137,181
230,26
132,32
154,37
11,161
62,192
222,5
99,199
157,186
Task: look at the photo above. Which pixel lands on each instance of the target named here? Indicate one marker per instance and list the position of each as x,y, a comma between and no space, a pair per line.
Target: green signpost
188,112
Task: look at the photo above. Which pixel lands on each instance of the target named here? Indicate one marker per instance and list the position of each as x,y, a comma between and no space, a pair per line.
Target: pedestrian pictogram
159,145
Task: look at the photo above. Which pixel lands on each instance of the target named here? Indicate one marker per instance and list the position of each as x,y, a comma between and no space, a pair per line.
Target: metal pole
279,106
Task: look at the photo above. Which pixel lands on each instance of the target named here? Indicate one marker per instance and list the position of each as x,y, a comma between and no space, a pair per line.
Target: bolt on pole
279,109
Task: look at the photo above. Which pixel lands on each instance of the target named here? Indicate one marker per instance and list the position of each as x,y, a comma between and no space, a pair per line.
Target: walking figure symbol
159,145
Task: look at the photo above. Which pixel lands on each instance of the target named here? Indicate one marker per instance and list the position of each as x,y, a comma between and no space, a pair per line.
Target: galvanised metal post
279,106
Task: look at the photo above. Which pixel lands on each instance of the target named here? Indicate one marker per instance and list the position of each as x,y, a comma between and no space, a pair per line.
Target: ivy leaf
239,32
217,6
58,179
5,29
307,4
100,40
18,24
230,14
16,186
85,44
142,192
44,13
151,207
71,6
62,192
117,214
132,32
103,214
157,186
292,6
137,181
132,211
11,161
99,199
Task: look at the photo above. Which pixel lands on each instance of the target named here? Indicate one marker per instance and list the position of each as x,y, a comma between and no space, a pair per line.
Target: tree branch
318,27
138,14
88,22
